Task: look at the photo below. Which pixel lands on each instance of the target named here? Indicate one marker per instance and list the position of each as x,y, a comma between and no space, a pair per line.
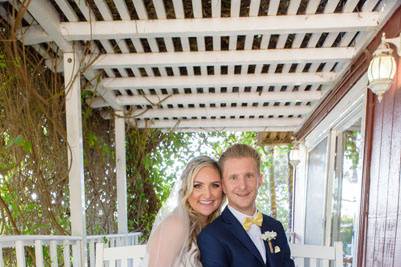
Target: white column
119,130
75,150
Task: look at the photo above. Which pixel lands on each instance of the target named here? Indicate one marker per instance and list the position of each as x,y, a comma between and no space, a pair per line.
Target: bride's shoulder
173,223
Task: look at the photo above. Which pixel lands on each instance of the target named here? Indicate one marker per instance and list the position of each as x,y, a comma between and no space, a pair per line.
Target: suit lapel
239,232
266,227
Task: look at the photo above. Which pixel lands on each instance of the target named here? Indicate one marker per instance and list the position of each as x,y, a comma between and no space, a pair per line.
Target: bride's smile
207,193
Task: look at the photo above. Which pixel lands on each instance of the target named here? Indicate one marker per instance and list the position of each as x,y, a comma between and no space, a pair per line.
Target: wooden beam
75,151
121,176
355,72
220,111
47,17
219,123
338,22
219,80
235,57
211,98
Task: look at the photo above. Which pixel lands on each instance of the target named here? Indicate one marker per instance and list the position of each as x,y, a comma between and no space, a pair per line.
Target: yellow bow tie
257,220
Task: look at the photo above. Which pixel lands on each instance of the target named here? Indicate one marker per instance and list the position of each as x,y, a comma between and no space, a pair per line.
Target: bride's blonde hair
187,186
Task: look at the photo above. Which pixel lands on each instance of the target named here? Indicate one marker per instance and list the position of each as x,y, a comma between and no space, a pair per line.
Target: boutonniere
269,236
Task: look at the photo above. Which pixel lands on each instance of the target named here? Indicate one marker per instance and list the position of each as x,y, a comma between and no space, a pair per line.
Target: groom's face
241,181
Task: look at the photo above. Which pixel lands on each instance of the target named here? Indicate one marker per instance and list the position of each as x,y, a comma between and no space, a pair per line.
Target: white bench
123,255
316,254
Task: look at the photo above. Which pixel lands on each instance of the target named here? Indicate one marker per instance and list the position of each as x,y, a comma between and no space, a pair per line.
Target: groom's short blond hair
239,151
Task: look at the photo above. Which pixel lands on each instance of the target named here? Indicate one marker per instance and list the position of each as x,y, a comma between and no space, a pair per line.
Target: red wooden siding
383,237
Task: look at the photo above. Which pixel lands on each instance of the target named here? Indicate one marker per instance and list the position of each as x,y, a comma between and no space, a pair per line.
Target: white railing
24,243
36,247
110,241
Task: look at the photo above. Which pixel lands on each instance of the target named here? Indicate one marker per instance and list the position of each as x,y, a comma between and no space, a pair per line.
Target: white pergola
194,65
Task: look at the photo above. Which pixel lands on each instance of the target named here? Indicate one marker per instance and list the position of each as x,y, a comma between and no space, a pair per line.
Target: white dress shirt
255,233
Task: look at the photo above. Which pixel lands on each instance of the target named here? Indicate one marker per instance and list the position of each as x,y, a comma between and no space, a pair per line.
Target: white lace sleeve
166,244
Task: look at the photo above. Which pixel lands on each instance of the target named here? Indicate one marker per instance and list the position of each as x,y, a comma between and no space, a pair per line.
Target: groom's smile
241,181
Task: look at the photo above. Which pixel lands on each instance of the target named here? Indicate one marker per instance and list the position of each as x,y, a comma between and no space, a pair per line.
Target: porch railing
41,249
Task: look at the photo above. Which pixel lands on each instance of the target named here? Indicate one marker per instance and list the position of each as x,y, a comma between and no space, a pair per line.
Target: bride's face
207,192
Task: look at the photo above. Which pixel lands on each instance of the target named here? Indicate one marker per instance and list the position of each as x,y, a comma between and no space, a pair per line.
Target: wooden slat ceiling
213,65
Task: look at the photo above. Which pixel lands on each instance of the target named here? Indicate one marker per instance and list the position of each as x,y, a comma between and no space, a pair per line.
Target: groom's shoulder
214,227
272,222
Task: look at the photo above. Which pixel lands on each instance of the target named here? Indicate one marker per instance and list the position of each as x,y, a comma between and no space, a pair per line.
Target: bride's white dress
168,245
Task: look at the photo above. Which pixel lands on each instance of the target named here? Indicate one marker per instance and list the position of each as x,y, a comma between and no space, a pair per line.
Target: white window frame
351,108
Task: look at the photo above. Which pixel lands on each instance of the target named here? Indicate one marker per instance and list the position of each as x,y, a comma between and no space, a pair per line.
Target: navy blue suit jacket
225,243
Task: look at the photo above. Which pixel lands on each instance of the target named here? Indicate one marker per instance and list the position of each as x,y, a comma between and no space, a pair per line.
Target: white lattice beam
47,17
212,98
220,111
219,80
98,30
208,58
219,123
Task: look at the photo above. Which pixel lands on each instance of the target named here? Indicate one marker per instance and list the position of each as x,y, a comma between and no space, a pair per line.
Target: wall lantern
295,157
382,67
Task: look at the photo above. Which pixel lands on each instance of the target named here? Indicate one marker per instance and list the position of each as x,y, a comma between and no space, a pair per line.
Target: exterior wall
383,221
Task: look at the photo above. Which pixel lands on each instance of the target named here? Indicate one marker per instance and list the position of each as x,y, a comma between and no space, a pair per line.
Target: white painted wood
140,9
273,8
184,44
39,253
1,256
220,123
264,43
76,253
20,253
293,7
99,254
232,43
216,43
169,44
227,111
219,26
254,8
66,253
218,81
339,254
67,10
207,98
349,102
216,8
119,131
312,7
200,40
197,8
103,9
138,45
153,45
178,9
122,9
48,18
75,153
330,6
92,253
103,253
231,129
53,253
235,8
248,42
159,8
350,5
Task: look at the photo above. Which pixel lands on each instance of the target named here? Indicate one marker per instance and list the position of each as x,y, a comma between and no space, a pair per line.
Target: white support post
119,130
75,151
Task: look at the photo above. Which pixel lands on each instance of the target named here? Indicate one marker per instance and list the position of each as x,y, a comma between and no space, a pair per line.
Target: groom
242,236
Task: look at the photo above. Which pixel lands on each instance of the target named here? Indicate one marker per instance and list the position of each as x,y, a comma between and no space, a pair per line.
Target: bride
194,202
